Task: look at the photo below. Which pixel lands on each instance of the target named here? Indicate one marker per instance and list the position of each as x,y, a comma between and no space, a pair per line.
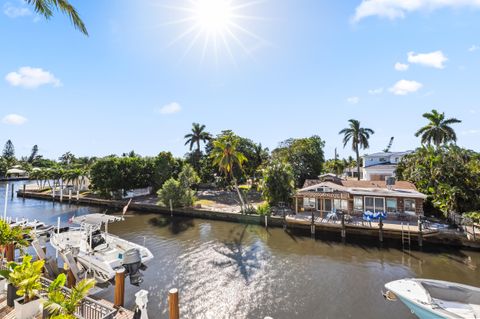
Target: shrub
180,196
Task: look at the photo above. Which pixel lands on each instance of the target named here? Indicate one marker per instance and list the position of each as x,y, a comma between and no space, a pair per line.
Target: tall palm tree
226,157
46,8
358,136
438,130
198,135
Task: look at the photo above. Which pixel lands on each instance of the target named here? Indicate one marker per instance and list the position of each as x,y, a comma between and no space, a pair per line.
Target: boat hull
420,312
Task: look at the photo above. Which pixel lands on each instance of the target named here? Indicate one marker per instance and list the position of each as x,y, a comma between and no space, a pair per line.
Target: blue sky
295,68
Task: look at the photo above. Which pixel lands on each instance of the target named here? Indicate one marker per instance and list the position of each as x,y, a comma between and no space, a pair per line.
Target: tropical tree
9,151
449,175
67,159
47,7
61,305
33,154
226,157
305,155
278,182
197,136
358,136
438,130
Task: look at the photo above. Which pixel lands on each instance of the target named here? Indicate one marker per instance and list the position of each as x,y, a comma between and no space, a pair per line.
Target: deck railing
88,308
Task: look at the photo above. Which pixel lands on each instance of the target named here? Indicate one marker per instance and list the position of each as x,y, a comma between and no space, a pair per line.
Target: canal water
228,270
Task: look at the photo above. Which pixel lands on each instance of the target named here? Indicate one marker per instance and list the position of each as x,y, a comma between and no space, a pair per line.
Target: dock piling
171,207
69,196
78,195
312,227
344,231
380,230
420,235
119,288
266,221
24,190
10,253
173,304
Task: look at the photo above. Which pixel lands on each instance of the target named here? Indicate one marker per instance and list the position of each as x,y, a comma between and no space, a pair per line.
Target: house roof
377,188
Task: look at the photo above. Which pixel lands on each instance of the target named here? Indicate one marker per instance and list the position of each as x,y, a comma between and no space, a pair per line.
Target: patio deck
356,224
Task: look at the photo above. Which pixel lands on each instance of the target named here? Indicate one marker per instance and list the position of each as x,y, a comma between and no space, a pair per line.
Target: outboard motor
132,261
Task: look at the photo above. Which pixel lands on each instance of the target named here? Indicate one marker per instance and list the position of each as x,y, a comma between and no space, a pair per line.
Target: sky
268,70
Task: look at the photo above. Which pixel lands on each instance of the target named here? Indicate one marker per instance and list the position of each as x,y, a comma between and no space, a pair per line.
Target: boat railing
88,307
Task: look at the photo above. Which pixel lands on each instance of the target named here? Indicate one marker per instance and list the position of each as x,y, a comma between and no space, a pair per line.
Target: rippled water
227,270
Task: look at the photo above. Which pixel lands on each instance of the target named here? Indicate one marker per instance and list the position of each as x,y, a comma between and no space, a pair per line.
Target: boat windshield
452,293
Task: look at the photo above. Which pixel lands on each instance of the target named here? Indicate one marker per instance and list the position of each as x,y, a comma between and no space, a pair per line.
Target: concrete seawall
332,230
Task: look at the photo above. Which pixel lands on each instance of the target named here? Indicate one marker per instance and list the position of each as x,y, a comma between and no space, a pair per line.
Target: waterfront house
331,193
378,166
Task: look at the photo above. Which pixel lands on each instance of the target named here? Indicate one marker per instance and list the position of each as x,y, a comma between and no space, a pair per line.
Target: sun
213,16
216,28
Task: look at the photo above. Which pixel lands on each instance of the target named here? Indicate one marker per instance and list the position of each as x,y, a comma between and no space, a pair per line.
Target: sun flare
213,16
216,27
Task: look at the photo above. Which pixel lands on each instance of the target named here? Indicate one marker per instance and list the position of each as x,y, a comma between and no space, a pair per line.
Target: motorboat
35,227
436,299
96,253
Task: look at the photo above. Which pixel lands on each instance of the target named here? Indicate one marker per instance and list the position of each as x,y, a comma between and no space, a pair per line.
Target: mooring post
10,252
420,236
171,207
266,221
78,195
312,226
71,281
119,288
344,231
53,193
61,192
380,229
24,189
13,189
173,304
69,196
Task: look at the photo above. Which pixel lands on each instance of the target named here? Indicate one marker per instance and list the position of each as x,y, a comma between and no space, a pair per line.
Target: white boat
36,227
98,253
435,299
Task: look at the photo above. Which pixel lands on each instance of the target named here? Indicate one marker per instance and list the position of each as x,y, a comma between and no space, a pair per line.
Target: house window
375,204
409,205
391,205
379,204
308,202
358,203
341,204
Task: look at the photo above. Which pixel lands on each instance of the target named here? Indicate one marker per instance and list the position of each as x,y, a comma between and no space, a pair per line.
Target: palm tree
46,8
226,157
359,137
198,135
61,305
438,131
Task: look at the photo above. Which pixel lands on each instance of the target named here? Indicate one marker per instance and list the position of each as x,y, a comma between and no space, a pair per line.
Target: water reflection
246,258
226,270
175,225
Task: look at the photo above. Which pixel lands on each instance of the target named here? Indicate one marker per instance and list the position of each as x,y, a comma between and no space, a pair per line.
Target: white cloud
375,91
401,66
473,48
31,78
404,87
353,100
434,59
12,11
393,9
170,108
14,119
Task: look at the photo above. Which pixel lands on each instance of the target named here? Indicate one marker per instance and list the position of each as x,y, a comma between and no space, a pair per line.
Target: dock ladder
406,238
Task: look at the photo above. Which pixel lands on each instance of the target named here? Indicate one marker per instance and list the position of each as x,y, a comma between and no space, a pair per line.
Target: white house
378,166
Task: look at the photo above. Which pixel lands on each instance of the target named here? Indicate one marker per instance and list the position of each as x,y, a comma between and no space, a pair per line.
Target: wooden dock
359,227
